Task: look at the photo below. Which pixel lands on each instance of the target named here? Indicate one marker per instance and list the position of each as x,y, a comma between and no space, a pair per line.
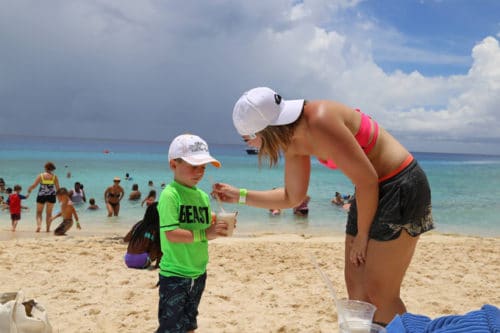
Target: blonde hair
275,139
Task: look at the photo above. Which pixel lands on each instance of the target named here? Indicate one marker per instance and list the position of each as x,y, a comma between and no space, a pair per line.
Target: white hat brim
201,160
290,111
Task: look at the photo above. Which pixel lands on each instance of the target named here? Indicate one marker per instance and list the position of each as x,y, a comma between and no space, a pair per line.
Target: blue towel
485,320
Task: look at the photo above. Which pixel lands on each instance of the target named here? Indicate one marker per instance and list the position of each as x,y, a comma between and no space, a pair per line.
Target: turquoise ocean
465,187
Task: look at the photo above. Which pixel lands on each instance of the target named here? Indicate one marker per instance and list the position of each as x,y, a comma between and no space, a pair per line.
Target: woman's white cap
192,149
261,107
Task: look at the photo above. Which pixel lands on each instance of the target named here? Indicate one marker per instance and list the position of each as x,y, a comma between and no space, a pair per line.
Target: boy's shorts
404,203
178,305
15,217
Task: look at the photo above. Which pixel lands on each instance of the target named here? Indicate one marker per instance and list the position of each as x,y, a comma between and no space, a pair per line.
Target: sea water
465,188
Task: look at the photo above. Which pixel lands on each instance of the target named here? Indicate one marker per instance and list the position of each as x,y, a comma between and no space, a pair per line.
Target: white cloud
153,69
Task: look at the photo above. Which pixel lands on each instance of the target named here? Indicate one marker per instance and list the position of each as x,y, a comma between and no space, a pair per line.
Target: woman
49,184
392,205
112,197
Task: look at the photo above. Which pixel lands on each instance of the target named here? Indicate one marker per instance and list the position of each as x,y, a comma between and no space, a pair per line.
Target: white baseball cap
261,107
192,149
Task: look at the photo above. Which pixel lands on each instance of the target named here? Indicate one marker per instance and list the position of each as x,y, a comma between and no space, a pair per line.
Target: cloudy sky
428,71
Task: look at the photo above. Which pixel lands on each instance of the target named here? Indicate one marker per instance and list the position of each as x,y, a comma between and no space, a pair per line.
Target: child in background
92,205
143,241
303,208
14,202
149,199
67,212
185,228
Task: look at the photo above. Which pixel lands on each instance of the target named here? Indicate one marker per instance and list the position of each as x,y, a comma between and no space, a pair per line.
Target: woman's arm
37,181
56,182
297,173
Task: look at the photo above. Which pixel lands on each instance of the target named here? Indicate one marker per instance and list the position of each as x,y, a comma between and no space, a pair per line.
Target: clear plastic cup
352,310
230,219
361,327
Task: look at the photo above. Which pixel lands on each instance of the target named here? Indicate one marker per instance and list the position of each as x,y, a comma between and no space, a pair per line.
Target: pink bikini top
362,136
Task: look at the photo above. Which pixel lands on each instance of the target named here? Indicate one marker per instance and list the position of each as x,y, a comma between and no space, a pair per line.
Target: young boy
14,202
67,212
92,204
185,228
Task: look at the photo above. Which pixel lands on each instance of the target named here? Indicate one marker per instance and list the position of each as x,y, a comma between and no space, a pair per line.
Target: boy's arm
182,235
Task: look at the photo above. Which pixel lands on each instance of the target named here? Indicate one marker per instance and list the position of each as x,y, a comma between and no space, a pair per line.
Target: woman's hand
358,250
225,192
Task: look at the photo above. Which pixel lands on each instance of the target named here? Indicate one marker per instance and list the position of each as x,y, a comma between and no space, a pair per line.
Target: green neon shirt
187,208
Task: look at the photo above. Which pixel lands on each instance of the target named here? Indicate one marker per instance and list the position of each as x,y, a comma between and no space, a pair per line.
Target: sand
255,284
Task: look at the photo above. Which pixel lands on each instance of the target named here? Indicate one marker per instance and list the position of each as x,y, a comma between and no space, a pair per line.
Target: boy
185,228
67,212
14,202
92,205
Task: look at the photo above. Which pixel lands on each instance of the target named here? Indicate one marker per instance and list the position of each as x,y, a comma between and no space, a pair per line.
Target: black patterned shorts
178,305
404,203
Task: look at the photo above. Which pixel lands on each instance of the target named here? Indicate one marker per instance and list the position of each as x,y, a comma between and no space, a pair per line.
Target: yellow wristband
243,196
199,236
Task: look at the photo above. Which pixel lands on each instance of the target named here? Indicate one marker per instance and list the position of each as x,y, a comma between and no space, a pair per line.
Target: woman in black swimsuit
49,184
112,197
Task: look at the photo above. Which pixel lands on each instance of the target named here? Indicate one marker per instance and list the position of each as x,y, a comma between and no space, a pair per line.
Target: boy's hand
78,226
216,230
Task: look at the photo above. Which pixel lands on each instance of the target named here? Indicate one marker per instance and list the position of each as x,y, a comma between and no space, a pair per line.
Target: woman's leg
353,275
385,268
116,209
48,215
39,212
110,209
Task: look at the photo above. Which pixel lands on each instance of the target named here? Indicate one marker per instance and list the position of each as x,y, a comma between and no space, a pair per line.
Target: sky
427,71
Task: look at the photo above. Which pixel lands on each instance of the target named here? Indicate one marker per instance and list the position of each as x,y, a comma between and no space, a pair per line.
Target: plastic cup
361,327
229,218
355,311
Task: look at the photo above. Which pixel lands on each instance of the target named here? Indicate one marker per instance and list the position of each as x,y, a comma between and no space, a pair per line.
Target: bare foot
38,229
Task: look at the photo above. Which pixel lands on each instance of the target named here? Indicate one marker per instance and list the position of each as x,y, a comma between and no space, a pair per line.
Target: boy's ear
172,164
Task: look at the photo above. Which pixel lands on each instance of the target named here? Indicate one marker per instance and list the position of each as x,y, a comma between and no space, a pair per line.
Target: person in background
112,197
135,194
46,198
68,212
14,202
2,185
185,229
149,199
77,195
92,204
338,200
144,241
303,208
392,204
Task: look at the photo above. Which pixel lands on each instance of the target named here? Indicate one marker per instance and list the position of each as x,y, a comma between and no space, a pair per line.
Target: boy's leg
198,286
174,295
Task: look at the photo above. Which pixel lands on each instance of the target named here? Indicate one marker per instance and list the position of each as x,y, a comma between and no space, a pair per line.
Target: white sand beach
255,284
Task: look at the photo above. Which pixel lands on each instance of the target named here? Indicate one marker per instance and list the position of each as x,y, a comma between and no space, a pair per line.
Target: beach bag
20,316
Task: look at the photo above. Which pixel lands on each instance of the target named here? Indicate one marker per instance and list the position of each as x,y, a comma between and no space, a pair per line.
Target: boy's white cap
192,149
261,107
